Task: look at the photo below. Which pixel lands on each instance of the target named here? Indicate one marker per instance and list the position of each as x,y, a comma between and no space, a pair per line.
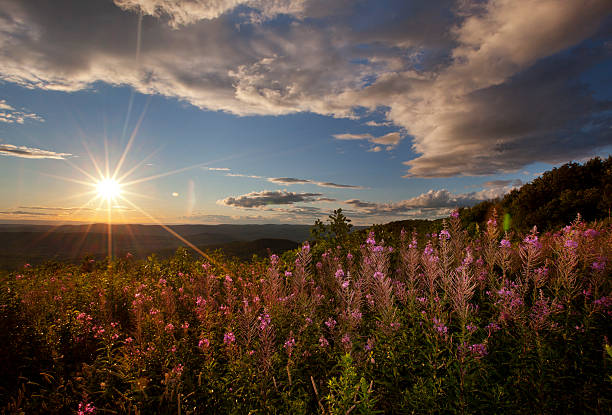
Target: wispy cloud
25,213
390,140
217,168
30,152
10,115
289,180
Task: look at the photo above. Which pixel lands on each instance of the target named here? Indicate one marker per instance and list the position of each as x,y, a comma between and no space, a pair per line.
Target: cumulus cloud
10,115
267,197
480,87
31,153
434,203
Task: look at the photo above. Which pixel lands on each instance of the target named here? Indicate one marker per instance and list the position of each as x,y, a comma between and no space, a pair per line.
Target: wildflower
591,233
454,214
203,343
532,239
378,248
228,279
345,284
185,326
440,327
599,265
323,342
289,344
288,274
229,338
339,273
505,244
395,325
413,244
178,370
492,222
471,328
379,275
570,244
330,323
86,408
346,339
444,235
371,240
264,321
478,350
369,345
356,315
306,247
169,328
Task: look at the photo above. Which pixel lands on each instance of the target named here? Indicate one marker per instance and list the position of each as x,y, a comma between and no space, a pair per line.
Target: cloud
266,197
217,168
293,180
10,115
337,185
479,87
31,153
434,203
185,12
390,141
503,183
57,209
25,213
287,180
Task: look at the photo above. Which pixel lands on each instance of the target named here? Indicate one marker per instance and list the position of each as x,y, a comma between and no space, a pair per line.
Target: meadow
440,323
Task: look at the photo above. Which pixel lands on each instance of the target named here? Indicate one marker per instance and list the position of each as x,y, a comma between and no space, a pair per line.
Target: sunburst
112,189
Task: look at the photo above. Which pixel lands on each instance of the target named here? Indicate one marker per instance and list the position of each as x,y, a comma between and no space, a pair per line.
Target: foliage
553,199
438,323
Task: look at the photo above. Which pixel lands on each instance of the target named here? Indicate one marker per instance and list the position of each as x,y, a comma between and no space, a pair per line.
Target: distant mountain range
21,243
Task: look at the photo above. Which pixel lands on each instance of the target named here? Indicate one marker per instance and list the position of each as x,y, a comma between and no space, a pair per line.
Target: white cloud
31,153
10,115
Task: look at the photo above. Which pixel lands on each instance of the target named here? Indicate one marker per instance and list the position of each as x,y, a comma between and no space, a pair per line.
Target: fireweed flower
330,323
86,408
478,350
591,233
505,244
339,274
371,240
288,273
454,214
440,327
570,244
444,235
306,247
323,342
203,343
229,338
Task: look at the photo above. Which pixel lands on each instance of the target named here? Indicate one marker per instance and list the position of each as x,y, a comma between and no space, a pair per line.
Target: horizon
149,112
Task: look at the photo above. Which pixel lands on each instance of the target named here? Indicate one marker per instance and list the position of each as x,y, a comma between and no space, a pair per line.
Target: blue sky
254,111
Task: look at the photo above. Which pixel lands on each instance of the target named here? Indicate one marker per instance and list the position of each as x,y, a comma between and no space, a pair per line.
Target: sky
279,111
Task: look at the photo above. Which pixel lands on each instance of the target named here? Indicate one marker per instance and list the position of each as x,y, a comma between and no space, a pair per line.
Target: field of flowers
440,323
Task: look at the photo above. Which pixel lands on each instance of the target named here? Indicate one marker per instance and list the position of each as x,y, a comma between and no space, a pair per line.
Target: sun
108,188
